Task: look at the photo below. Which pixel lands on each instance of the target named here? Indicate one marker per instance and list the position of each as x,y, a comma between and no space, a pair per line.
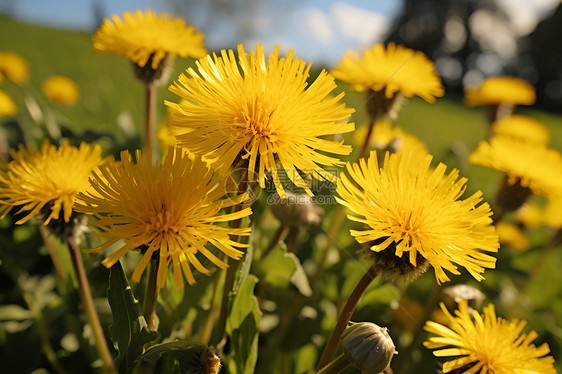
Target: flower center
257,120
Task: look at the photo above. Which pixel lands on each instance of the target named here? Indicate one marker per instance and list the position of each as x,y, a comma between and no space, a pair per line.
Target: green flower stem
336,366
345,316
150,105
88,303
274,239
52,250
42,328
151,296
365,144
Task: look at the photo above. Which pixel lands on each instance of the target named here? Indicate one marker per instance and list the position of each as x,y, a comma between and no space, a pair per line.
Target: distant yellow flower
487,344
148,37
263,112
409,207
386,136
500,90
523,128
552,215
534,167
48,179
169,211
512,235
530,214
7,105
14,67
61,89
394,69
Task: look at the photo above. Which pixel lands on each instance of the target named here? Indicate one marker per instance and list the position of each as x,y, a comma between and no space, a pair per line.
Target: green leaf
129,330
242,326
281,268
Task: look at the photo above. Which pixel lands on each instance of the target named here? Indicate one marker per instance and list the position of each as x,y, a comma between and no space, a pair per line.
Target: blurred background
467,39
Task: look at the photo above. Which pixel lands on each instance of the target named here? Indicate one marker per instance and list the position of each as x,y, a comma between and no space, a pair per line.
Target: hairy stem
88,303
151,296
345,316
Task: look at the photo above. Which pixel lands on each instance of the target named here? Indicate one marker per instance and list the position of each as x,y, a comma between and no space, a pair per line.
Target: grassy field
112,102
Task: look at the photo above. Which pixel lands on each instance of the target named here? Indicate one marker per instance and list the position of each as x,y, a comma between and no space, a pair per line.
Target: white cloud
356,23
317,24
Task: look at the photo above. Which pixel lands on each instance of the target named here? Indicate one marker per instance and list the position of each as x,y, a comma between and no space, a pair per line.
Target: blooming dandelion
487,344
7,105
46,181
14,67
532,166
170,212
392,69
411,208
523,128
262,111
60,89
499,90
148,38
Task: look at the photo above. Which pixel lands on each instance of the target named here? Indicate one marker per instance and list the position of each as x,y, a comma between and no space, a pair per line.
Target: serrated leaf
129,329
242,326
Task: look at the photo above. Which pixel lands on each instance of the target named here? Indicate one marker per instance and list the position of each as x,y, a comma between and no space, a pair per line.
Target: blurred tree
467,39
542,49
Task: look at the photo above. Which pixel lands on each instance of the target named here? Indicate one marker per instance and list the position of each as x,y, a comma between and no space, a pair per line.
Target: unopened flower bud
210,362
368,346
296,209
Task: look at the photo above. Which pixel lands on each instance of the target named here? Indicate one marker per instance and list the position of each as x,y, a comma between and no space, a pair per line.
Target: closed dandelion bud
296,209
210,362
368,346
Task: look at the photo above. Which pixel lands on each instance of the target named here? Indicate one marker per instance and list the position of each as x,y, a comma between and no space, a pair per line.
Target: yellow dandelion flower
14,67
47,179
522,127
500,90
487,344
552,214
512,235
7,105
169,211
535,167
263,111
147,36
394,69
386,137
530,214
409,207
60,89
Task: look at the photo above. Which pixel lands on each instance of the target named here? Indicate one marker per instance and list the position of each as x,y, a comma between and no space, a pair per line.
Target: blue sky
318,30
